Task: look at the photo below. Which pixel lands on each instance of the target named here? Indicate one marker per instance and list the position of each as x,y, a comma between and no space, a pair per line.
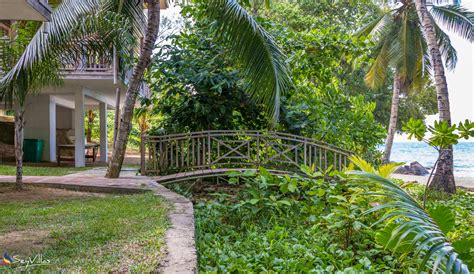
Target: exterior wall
64,117
40,117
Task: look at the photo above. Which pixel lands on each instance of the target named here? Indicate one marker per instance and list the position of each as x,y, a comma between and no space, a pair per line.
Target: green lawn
41,171
109,233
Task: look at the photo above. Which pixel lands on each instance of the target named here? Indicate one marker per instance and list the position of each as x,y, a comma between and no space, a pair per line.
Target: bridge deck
206,173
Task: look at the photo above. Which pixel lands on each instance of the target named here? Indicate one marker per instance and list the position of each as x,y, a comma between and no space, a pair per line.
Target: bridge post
209,157
142,155
258,150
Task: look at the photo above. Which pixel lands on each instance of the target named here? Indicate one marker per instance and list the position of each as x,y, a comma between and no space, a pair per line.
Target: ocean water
417,151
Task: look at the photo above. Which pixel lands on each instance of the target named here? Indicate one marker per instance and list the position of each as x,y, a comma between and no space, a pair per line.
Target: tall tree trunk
125,126
443,178
19,132
392,125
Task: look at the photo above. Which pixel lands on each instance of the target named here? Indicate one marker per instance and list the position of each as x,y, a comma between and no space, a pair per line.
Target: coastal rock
414,168
418,169
403,170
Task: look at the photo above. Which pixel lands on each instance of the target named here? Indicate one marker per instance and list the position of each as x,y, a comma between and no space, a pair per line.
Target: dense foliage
197,88
291,224
322,59
329,62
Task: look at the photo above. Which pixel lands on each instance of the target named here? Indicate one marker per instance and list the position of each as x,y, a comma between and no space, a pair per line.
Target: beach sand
460,182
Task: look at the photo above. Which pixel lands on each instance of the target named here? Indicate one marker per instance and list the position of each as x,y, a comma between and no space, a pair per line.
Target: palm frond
403,51
63,19
374,27
133,10
384,170
456,18
447,50
412,231
263,62
377,74
423,63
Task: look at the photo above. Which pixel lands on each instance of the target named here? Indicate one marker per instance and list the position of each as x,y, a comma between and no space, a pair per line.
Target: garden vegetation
331,223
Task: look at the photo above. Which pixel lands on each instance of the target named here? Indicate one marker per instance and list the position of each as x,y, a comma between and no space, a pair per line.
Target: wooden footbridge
187,156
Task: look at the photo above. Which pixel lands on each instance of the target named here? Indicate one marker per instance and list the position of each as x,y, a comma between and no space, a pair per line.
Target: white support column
52,129
79,150
103,132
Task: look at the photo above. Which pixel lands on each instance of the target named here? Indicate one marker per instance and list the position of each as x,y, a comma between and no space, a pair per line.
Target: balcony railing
91,64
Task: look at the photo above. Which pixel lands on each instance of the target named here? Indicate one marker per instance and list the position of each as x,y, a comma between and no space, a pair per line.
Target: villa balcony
100,73
92,66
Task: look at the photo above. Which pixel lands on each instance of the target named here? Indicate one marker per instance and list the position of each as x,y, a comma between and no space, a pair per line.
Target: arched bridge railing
170,154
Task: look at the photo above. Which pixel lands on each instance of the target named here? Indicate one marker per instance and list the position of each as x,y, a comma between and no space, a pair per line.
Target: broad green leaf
444,217
292,185
254,201
465,248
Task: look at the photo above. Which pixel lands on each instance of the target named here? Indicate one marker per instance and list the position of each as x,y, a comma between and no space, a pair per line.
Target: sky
461,80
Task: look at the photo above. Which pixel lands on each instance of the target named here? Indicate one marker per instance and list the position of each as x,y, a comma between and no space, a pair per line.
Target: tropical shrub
195,87
317,105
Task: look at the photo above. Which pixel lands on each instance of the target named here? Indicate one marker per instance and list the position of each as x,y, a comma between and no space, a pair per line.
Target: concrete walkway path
181,250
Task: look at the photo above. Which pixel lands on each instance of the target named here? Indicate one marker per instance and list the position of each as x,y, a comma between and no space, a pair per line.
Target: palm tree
123,133
17,93
403,54
461,22
263,62
400,47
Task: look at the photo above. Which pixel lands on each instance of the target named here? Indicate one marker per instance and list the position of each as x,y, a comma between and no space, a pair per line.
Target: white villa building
92,87
88,85
91,83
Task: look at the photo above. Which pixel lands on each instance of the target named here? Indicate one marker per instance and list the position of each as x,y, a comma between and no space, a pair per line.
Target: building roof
35,10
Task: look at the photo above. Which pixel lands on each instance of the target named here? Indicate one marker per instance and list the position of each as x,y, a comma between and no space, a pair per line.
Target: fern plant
409,229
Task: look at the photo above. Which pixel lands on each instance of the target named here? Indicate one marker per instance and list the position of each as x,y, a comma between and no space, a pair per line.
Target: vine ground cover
290,224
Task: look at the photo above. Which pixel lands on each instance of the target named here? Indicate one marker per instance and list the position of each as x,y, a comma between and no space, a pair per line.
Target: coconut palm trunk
19,134
392,126
443,178
125,126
